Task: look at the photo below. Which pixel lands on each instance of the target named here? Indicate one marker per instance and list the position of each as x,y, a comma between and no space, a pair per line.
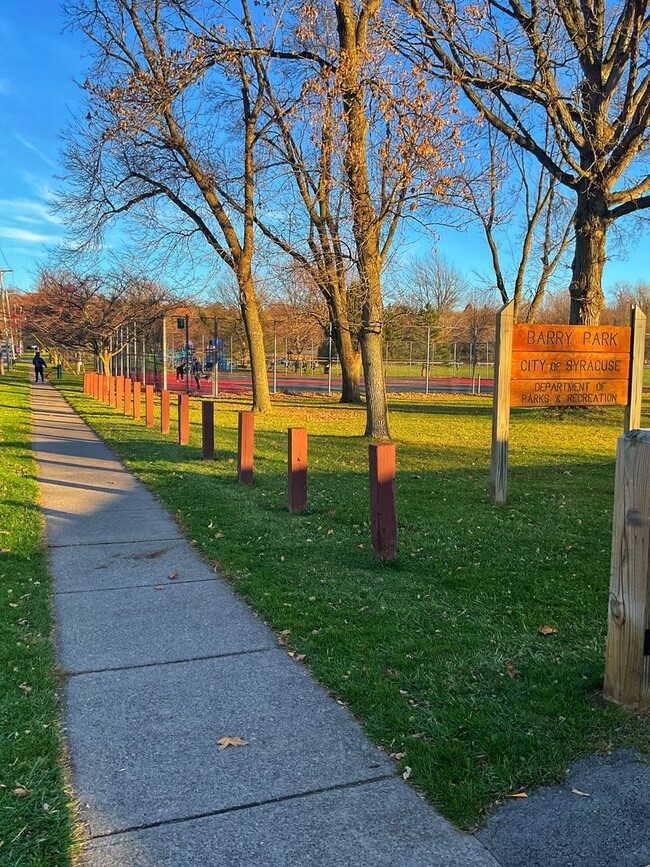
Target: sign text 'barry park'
570,365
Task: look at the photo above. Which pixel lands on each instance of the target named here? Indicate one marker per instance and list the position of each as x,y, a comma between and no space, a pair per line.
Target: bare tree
434,284
313,217
396,133
170,135
525,219
85,311
580,66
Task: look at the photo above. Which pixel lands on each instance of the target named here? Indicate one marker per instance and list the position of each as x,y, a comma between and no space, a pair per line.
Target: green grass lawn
439,655
35,825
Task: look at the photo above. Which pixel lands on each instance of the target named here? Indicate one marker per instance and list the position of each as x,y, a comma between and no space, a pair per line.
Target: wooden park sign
562,365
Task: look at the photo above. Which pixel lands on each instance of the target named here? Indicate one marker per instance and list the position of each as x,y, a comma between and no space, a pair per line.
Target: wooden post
627,662
119,393
183,418
93,384
632,419
111,391
207,429
148,405
245,447
297,468
128,395
85,386
137,400
501,405
383,513
164,411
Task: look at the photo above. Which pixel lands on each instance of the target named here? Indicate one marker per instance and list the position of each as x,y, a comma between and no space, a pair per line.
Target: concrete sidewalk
159,670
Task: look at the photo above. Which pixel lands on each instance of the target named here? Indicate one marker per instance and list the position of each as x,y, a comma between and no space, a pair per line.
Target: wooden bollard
164,411
207,429
245,447
119,393
183,418
111,391
627,660
137,401
148,405
297,468
128,395
383,515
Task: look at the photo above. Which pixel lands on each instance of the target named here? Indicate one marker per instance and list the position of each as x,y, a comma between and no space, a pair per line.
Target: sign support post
501,405
633,409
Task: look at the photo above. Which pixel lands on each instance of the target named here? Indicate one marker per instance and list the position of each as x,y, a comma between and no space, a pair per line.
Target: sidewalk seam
214,577
95,544
69,674
249,806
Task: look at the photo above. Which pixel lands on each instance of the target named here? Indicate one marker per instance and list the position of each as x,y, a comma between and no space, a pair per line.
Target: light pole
329,361
164,353
187,353
426,387
275,357
215,360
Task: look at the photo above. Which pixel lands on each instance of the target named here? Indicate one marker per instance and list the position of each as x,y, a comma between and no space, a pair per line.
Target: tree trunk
353,36
373,372
586,290
255,338
349,357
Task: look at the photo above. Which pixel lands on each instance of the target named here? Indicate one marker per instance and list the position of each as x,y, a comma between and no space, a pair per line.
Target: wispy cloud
27,210
40,186
32,147
24,235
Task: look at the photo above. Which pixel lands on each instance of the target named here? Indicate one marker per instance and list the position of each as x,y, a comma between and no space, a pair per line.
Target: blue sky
37,66
39,63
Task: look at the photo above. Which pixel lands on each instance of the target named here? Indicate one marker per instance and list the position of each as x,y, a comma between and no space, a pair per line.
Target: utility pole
7,344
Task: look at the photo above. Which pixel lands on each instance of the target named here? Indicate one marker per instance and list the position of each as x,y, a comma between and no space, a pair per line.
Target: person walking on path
39,366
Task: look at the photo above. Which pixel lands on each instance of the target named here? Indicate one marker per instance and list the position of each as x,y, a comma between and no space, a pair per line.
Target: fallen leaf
5,550
159,587
47,808
25,688
13,605
407,773
397,756
332,512
218,535
173,576
282,637
547,630
21,791
227,741
299,657
518,795
578,792
511,670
